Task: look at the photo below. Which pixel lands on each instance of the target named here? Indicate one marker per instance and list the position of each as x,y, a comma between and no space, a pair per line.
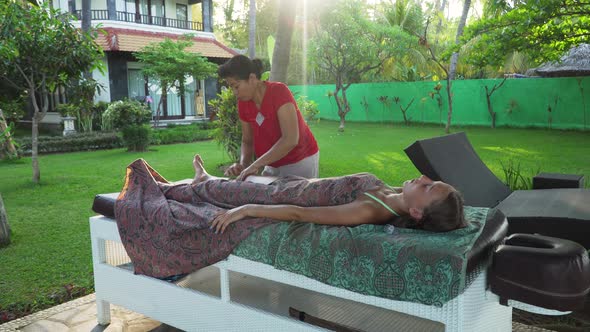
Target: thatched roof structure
575,63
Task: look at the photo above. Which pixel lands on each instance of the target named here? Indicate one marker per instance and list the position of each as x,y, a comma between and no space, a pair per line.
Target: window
136,84
157,8
120,6
181,12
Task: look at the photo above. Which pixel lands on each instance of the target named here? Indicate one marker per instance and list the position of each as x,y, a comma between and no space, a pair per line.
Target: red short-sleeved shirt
266,128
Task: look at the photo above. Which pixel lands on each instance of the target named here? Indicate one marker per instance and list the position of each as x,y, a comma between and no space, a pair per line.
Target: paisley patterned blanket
165,230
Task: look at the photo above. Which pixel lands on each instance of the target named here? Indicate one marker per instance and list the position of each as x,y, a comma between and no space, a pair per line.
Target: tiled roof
127,40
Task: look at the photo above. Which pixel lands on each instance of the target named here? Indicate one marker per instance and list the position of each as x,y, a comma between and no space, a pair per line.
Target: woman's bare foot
200,172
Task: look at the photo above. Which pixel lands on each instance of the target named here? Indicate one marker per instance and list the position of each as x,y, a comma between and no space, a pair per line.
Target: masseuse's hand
224,218
250,170
234,170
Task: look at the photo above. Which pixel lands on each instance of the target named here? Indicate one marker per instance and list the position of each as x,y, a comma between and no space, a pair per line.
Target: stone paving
80,316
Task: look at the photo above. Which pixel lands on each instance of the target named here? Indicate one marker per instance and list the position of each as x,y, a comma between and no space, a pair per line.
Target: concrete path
80,316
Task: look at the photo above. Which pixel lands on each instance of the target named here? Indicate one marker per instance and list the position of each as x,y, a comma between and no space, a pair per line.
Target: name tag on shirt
259,119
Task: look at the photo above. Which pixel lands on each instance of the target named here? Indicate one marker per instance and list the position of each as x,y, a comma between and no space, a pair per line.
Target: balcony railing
102,15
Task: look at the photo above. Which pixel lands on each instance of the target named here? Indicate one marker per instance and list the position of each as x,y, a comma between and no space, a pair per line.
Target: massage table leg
224,284
103,312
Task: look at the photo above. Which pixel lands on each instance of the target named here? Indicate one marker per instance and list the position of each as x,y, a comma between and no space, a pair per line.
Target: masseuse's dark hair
440,216
240,67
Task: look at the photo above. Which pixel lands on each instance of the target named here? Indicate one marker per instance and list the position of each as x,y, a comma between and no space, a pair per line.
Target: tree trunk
453,65
35,135
493,120
160,107
182,93
38,115
339,105
579,80
86,15
4,227
343,108
35,149
455,56
280,57
404,110
86,24
252,30
490,107
450,113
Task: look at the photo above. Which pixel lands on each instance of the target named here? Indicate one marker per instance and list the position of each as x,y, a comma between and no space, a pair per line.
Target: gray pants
308,168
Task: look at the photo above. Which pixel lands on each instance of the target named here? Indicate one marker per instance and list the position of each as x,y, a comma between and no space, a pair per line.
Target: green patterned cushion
410,265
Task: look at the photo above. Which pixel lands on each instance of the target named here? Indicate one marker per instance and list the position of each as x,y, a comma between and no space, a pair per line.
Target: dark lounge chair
561,213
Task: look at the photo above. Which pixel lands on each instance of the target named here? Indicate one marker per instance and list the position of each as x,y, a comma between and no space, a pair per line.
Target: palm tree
86,24
408,15
281,53
455,56
252,30
441,10
516,62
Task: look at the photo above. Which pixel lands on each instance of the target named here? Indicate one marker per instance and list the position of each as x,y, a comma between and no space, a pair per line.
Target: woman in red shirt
275,138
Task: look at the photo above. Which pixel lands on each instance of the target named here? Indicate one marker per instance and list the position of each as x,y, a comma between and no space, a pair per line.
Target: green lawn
50,234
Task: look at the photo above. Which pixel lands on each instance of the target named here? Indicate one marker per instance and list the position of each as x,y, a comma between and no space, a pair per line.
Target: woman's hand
224,218
250,170
234,170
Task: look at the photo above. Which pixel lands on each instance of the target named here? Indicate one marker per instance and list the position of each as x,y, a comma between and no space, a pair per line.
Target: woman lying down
176,228
346,201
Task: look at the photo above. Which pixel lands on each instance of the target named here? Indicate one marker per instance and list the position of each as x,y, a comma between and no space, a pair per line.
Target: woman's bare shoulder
375,211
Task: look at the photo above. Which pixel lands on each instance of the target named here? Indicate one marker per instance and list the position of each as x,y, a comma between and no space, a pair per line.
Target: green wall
520,102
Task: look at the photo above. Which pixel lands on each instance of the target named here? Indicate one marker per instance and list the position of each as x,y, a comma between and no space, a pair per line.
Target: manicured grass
50,235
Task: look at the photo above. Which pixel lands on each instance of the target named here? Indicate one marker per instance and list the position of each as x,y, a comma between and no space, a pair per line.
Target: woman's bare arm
287,116
247,147
351,214
246,151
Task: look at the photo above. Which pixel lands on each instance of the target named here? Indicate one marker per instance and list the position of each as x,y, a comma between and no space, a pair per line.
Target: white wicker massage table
208,300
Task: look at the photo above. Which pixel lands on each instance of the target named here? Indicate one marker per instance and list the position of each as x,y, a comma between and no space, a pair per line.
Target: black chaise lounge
561,213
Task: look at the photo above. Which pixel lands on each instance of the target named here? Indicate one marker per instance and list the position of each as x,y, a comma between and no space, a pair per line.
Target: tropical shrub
71,143
137,137
124,113
13,109
66,110
81,102
131,118
182,133
308,108
10,112
97,111
8,146
228,133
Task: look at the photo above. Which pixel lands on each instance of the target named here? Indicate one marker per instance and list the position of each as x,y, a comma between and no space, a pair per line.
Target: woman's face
242,89
421,192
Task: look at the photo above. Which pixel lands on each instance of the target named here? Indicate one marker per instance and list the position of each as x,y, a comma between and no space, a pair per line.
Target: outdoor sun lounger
561,213
245,295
